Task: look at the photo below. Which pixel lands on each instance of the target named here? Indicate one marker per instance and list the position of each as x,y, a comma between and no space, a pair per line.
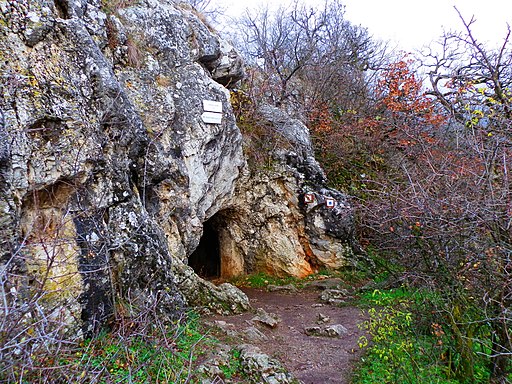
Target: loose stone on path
268,319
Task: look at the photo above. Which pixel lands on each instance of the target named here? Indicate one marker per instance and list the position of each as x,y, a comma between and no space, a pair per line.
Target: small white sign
330,202
212,117
309,198
212,106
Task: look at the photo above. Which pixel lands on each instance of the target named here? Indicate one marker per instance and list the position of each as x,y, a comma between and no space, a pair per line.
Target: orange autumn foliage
401,94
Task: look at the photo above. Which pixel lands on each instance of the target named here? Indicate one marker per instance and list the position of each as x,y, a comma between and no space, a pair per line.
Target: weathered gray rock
6,204
322,319
256,366
253,334
335,296
261,368
269,319
107,169
335,330
224,327
228,69
212,368
295,132
222,299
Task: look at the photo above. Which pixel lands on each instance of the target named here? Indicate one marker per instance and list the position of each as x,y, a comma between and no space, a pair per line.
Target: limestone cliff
111,181
110,170
272,226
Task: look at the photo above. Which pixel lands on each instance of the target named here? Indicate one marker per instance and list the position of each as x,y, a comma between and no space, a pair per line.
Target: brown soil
311,359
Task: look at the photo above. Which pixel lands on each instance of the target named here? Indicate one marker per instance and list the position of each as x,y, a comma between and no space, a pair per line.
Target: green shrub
157,353
401,348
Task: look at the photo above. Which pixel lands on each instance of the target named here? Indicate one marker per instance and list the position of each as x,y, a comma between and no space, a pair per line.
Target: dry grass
134,52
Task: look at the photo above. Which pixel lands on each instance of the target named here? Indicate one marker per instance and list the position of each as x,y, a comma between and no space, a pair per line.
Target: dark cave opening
205,260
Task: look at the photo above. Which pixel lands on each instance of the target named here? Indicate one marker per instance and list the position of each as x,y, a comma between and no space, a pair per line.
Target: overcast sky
412,24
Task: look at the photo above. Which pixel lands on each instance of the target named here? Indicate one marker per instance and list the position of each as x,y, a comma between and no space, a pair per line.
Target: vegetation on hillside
428,165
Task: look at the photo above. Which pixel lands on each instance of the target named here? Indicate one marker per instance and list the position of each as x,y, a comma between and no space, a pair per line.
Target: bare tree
474,85
306,55
207,8
432,174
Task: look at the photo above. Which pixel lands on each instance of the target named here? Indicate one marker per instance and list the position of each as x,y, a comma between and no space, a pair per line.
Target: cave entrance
217,255
205,260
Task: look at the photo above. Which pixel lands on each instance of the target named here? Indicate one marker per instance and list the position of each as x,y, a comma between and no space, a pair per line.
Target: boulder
335,330
335,296
261,368
254,334
269,319
322,319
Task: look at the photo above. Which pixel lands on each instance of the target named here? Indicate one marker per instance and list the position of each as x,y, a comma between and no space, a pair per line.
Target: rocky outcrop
262,368
108,169
256,366
272,228
111,174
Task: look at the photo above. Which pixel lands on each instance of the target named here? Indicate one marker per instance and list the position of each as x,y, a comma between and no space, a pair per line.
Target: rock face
107,169
111,182
262,368
271,228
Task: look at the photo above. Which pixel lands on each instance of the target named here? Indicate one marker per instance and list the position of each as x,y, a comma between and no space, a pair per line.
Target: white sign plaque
309,198
212,117
330,202
212,106
212,112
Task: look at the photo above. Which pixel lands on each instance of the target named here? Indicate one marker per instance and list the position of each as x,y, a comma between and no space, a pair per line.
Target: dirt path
311,359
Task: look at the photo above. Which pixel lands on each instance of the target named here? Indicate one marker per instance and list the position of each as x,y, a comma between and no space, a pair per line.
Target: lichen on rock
271,227
105,150
110,176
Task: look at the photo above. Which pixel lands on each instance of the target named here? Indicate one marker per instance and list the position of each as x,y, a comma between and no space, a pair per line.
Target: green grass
262,280
406,341
163,355
148,353
393,296
350,276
